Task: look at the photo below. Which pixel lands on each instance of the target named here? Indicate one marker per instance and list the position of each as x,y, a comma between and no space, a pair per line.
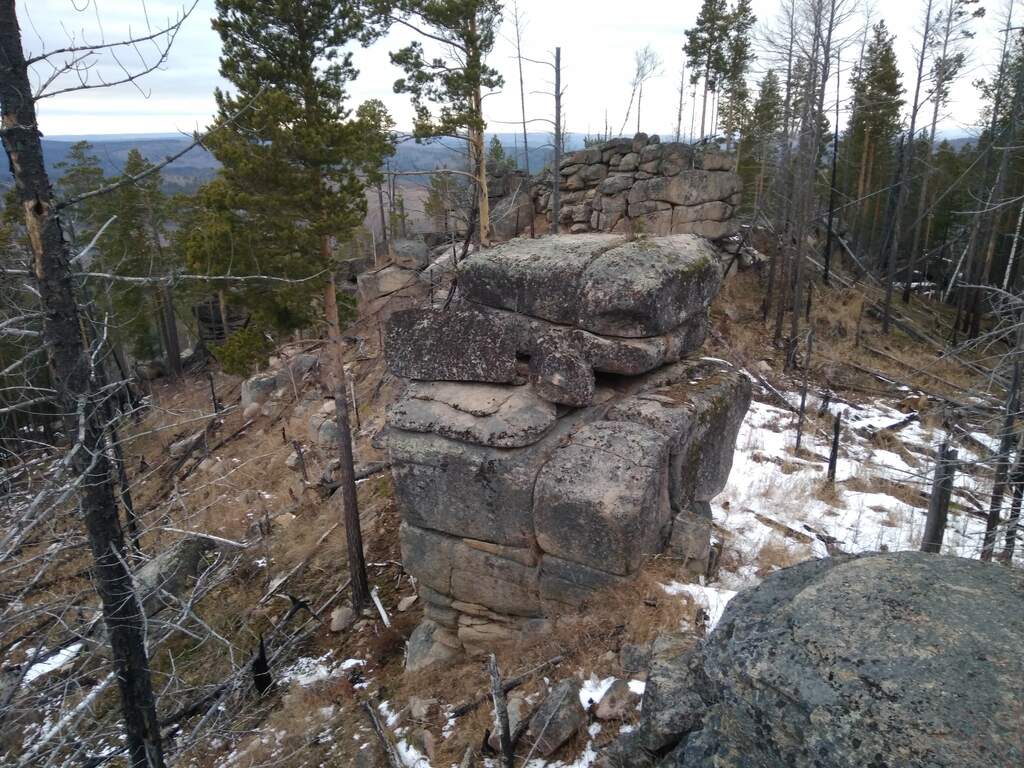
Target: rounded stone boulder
896,660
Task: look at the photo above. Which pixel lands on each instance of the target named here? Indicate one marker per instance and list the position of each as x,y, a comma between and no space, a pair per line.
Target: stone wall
557,429
642,185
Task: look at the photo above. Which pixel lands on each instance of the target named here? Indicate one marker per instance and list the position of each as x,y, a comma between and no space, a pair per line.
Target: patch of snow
712,599
593,690
638,687
56,661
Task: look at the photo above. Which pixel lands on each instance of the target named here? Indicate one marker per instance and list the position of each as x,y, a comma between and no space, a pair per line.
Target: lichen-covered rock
599,283
897,660
457,344
430,644
602,500
464,489
482,414
384,282
258,389
410,254
558,718
560,373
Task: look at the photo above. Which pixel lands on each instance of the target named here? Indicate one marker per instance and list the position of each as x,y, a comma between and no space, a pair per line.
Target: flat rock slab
457,344
450,566
482,414
606,284
602,499
896,660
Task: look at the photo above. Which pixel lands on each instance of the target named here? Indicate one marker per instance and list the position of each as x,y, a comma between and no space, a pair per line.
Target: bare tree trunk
522,103
938,504
346,470
171,323
383,220
69,359
704,100
1006,439
556,178
682,90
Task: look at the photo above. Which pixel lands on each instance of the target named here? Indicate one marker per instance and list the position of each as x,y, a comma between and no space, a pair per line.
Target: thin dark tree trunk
346,470
69,359
1006,439
938,504
556,177
522,106
1013,523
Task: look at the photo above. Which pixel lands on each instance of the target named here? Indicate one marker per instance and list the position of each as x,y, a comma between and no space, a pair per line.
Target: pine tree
734,103
870,136
759,140
497,158
707,48
454,84
294,159
80,172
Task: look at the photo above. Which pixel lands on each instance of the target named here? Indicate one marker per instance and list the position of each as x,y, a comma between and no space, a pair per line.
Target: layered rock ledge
556,430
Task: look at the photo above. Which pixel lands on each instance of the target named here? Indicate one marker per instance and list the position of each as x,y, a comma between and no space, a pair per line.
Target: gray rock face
558,718
603,284
410,254
458,344
258,389
602,500
167,576
891,660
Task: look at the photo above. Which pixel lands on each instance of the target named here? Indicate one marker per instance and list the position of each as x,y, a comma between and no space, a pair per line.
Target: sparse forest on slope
272,396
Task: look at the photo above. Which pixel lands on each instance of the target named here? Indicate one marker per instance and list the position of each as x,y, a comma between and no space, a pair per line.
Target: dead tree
938,503
74,383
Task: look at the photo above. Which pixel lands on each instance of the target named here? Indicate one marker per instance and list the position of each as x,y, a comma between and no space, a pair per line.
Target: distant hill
199,166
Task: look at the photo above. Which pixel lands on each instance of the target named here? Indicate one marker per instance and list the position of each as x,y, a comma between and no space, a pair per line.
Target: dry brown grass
908,493
778,552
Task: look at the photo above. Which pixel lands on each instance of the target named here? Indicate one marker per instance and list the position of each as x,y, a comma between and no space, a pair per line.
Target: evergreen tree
870,136
294,162
759,142
455,84
80,172
734,103
706,48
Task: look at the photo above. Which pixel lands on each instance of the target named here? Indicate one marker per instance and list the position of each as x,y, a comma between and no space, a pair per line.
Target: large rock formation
902,660
554,433
634,185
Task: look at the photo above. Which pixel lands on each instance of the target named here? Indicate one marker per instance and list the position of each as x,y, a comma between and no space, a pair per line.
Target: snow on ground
776,502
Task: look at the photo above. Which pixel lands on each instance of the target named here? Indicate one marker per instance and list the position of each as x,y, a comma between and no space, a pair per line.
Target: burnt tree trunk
346,470
69,360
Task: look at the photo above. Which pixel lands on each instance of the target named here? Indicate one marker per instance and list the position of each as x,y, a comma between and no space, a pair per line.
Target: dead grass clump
887,440
908,493
829,493
777,553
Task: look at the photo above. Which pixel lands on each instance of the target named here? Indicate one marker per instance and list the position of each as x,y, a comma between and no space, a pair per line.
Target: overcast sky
597,37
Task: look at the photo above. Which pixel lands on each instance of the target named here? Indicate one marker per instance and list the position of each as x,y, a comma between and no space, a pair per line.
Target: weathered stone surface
294,369
701,412
466,490
186,445
384,282
599,283
711,158
691,539
688,187
511,215
602,500
616,183
560,373
558,718
449,566
168,575
483,414
430,644
675,696
902,659
565,585
258,389
458,344
617,703
410,254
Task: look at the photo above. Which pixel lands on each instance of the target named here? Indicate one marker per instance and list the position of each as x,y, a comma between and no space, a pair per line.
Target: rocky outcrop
639,185
545,443
891,660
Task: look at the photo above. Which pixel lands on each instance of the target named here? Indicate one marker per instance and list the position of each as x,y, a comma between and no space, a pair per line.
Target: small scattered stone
342,618
251,411
292,462
558,718
617,703
406,603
